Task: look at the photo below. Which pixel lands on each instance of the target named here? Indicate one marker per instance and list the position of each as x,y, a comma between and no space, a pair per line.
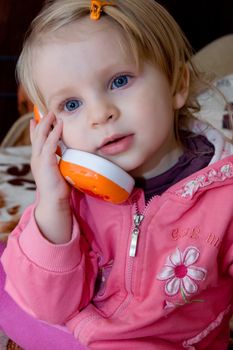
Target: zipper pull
134,237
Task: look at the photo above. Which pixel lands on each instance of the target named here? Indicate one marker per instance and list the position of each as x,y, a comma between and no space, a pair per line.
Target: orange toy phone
92,174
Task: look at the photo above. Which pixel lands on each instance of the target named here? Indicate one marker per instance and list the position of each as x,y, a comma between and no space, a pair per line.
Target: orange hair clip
96,8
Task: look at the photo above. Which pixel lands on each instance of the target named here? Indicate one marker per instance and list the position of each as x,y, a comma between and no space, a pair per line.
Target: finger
46,124
42,131
54,137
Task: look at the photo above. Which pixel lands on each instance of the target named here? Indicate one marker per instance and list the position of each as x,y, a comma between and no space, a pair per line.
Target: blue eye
72,105
119,82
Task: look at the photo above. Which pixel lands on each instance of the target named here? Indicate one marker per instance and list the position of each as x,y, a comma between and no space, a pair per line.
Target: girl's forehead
84,37
85,29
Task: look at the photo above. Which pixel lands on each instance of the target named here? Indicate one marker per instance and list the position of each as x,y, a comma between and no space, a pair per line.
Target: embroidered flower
180,274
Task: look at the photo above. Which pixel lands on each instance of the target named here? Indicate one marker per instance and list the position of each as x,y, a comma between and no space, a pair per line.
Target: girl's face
109,107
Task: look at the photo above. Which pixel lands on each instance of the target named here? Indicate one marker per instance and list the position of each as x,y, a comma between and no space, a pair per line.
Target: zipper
135,233
136,229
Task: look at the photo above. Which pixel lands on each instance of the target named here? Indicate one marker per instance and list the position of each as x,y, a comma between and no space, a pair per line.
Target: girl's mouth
116,144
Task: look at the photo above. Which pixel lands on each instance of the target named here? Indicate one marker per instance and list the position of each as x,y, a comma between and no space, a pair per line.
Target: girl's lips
116,145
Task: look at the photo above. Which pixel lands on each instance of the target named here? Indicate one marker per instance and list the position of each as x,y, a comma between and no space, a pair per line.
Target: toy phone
92,174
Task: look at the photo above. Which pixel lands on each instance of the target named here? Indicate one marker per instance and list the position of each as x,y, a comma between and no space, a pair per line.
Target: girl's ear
182,90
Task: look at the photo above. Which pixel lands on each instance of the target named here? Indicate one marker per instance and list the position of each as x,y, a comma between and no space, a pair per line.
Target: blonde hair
151,32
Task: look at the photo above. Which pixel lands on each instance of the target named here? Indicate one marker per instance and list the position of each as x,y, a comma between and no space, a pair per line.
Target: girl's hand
53,213
44,138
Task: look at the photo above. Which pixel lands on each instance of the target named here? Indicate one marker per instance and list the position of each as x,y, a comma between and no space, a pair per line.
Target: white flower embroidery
180,273
219,175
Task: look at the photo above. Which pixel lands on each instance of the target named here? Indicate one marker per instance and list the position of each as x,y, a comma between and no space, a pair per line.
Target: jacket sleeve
51,282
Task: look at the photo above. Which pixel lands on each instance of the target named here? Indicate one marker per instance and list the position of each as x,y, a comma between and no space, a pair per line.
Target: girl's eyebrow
58,95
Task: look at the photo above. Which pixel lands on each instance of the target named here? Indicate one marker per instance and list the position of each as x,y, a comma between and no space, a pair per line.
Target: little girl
154,272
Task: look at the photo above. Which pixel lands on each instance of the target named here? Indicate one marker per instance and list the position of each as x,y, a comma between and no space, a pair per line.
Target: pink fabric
28,332
112,300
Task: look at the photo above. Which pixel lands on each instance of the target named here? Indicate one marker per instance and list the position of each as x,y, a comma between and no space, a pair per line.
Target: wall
15,17
202,20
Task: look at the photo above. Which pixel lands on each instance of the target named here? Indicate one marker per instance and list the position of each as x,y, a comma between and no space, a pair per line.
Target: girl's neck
158,165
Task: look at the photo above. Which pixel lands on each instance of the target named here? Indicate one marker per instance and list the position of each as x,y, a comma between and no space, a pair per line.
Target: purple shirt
198,152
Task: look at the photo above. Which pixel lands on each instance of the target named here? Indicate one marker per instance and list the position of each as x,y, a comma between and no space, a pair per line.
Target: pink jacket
136,276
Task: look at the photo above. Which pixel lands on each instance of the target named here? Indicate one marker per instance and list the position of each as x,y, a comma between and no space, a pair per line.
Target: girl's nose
102,112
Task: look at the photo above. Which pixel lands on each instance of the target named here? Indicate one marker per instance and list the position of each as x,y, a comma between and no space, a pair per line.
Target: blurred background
15,17
202,22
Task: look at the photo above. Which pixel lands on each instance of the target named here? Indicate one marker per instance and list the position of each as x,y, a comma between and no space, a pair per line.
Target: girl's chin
130,166
135,171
